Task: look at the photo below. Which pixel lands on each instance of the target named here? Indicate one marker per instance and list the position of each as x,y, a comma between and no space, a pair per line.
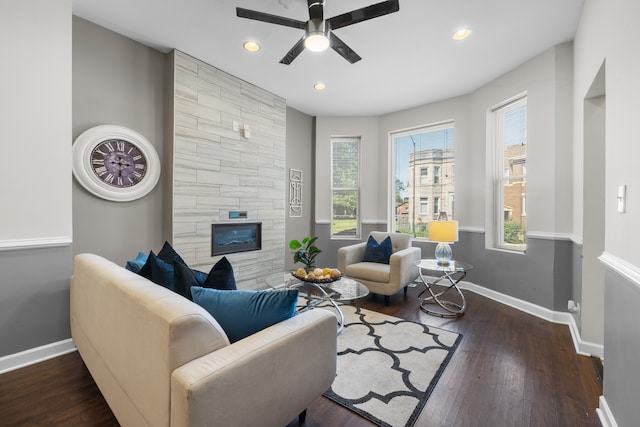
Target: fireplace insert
228,238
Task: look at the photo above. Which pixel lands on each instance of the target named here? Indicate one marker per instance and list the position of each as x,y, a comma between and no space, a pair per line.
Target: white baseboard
584,348
35,355
605,415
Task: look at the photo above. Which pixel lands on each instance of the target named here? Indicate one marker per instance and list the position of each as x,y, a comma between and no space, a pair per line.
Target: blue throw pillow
169,255
378,252
136,264
241,313
162,273
221,276
186,277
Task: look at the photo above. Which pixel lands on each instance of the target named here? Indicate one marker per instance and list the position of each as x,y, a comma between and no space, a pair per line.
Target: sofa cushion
221,276
372,271
241,313
136,264
378,252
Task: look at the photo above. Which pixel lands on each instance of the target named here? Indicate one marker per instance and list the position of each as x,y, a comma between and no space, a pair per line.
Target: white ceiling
408,57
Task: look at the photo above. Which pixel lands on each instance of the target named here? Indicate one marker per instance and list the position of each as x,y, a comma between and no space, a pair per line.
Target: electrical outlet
573,307
235,126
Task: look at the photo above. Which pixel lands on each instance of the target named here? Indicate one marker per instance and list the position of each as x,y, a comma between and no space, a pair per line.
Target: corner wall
35,179
607,32
117,81
543,275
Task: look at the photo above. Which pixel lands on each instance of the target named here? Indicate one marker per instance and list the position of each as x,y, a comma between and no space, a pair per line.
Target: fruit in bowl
321,275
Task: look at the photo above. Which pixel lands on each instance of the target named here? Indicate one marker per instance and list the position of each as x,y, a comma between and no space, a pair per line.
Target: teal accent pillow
241,313
136,264
378,252
221,276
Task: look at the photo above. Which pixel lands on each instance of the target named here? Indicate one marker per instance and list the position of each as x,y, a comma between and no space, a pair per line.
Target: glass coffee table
341,290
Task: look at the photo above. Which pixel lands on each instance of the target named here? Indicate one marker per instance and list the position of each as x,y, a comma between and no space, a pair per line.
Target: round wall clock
115,163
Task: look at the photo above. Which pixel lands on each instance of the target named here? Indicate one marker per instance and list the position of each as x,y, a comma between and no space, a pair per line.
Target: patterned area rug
388,367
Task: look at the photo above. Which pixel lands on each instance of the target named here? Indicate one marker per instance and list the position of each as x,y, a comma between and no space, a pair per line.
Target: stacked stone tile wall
217,170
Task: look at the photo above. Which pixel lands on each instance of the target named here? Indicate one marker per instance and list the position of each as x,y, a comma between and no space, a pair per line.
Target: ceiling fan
318,32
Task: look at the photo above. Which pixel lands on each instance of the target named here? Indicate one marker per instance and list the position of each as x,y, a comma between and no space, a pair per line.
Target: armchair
382,279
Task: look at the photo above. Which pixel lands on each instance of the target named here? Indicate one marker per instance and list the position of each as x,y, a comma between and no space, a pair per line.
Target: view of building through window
345,185
511,133
424,177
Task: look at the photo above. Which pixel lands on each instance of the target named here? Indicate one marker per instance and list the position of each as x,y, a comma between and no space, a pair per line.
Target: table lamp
443,232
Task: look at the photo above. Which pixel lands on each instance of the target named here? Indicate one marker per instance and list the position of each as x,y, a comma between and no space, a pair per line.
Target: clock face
115,163
118,163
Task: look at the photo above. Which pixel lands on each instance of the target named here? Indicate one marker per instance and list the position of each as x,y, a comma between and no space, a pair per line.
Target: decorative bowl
324,279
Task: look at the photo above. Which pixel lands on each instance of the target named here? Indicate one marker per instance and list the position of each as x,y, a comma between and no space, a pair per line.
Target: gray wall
300,149
35,179
622,347
120,82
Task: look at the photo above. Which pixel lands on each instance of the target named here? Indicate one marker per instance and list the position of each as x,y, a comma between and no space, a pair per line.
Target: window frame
393,174
496,176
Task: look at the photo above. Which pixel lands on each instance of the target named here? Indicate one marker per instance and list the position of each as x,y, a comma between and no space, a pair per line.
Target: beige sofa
382,279
161,360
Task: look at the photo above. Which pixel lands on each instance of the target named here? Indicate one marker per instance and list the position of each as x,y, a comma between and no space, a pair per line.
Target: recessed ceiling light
251,46
319,86
462,34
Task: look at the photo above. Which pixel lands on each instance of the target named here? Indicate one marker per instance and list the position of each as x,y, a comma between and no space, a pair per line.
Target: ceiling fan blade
366,13
316,9
267,17
293,53
345,51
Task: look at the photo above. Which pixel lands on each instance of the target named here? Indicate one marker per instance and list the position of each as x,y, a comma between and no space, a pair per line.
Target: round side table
453,273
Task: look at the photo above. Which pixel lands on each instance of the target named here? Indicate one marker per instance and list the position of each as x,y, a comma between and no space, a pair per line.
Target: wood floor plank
511,369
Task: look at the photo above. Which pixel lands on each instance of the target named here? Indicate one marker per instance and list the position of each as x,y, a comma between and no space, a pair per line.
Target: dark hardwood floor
511,369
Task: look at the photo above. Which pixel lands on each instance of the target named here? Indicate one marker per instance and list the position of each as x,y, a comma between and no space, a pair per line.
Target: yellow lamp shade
443,231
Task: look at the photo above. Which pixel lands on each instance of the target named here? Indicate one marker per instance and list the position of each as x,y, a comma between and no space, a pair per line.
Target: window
345,183
424,175
424,205
509,143
417,198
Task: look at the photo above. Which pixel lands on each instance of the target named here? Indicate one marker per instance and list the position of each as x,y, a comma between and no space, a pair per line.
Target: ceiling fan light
316,42
316,36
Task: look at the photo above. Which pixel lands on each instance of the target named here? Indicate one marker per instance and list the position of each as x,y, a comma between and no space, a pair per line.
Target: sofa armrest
266,379
402,267
351,254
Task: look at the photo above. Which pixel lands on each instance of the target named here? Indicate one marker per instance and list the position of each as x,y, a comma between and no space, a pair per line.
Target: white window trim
358,234
391,135
494,178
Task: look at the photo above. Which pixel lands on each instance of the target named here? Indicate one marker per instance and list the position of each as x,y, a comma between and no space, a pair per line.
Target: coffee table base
314,302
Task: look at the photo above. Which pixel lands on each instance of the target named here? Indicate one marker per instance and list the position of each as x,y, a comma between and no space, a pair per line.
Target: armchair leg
386,300
405,289
302,417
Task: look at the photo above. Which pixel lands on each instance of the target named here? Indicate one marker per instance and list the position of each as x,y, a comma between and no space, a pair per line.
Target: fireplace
232,237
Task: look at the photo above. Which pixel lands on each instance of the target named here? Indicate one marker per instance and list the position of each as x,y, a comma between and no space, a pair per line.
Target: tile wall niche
216,170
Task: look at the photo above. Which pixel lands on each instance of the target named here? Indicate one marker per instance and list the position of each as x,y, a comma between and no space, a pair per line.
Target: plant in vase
305,251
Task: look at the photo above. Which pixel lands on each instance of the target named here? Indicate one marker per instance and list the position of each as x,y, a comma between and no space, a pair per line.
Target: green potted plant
305,251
